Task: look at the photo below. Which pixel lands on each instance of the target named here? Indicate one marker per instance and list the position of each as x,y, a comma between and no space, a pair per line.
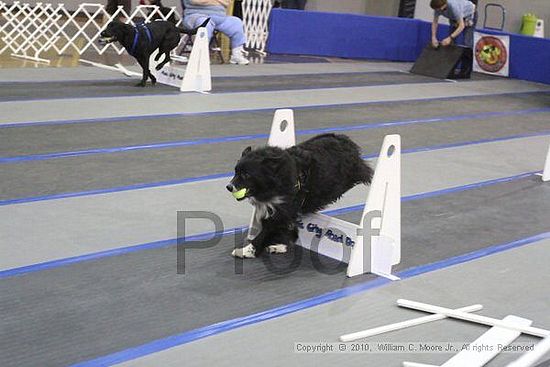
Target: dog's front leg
252,244
254,241
144,63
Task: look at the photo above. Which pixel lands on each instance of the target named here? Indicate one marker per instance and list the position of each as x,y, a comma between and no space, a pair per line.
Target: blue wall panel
385,38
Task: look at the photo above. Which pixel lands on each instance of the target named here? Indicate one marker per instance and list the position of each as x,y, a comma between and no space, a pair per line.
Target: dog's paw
247,252
277,249
158,67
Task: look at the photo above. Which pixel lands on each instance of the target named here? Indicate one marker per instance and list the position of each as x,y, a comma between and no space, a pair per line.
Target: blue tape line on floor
230,174
248,110
159,244
187,337
234,138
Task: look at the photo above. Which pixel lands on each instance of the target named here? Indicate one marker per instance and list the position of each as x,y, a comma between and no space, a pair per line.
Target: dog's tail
364,173
194,30
361,169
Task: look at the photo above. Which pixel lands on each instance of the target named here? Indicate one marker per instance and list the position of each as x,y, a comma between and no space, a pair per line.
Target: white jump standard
374,245
546,171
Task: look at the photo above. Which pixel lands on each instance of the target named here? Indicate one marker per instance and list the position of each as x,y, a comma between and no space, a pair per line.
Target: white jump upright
342,240
546,172
385,199
196,77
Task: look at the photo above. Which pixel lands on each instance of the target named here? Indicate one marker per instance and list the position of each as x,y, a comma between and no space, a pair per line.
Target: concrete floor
87,227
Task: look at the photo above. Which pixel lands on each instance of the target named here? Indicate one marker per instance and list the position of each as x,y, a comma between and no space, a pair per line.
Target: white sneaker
237,57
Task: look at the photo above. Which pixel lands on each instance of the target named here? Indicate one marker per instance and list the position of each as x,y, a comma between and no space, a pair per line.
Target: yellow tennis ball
240,194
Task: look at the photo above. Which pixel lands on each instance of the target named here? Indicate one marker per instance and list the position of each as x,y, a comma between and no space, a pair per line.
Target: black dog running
143,39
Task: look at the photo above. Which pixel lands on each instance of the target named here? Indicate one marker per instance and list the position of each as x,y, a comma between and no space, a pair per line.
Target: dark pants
467,60
294,4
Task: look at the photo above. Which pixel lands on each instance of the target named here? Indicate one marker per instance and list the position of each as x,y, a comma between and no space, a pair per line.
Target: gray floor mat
33,139
94,308
125,87
74,174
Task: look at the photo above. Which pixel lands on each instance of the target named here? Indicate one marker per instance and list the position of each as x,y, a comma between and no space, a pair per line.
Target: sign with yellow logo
491,54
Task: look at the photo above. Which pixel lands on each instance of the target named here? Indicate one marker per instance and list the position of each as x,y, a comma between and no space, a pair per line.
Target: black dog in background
143,39
284,184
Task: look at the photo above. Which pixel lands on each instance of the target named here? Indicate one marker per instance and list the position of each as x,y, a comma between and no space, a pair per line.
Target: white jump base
503,332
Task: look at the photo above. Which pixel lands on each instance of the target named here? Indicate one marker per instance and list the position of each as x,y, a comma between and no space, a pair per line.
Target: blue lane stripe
4,83
226,92
456,145
116,189
113,252
431,194
230,174
159,244
76,81
105,96
209,113
235,138
221,327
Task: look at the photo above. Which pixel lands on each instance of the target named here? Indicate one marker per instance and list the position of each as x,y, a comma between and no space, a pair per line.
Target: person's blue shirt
190,8
458,9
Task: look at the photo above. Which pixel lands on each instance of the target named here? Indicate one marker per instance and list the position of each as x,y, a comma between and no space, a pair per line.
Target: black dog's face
114,32
258,174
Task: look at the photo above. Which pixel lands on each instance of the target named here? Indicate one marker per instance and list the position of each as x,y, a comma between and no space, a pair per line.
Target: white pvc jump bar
456,314
530,358
414,364
403,324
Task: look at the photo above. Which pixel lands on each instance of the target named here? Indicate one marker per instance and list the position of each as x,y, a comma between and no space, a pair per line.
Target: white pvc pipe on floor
471,317
403,325
530,358
414,364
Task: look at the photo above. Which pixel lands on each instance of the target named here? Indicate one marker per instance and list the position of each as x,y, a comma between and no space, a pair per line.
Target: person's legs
195,20
233,28
468,56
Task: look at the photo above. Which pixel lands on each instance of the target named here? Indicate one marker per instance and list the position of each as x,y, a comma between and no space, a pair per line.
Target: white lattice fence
255,18
28,31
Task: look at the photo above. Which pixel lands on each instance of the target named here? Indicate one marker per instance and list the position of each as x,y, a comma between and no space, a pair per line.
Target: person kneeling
197,11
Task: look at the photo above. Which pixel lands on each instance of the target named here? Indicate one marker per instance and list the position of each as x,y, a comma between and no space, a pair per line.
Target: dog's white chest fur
265,209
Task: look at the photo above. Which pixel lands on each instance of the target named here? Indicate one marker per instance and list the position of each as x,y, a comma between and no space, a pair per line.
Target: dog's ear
246,151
